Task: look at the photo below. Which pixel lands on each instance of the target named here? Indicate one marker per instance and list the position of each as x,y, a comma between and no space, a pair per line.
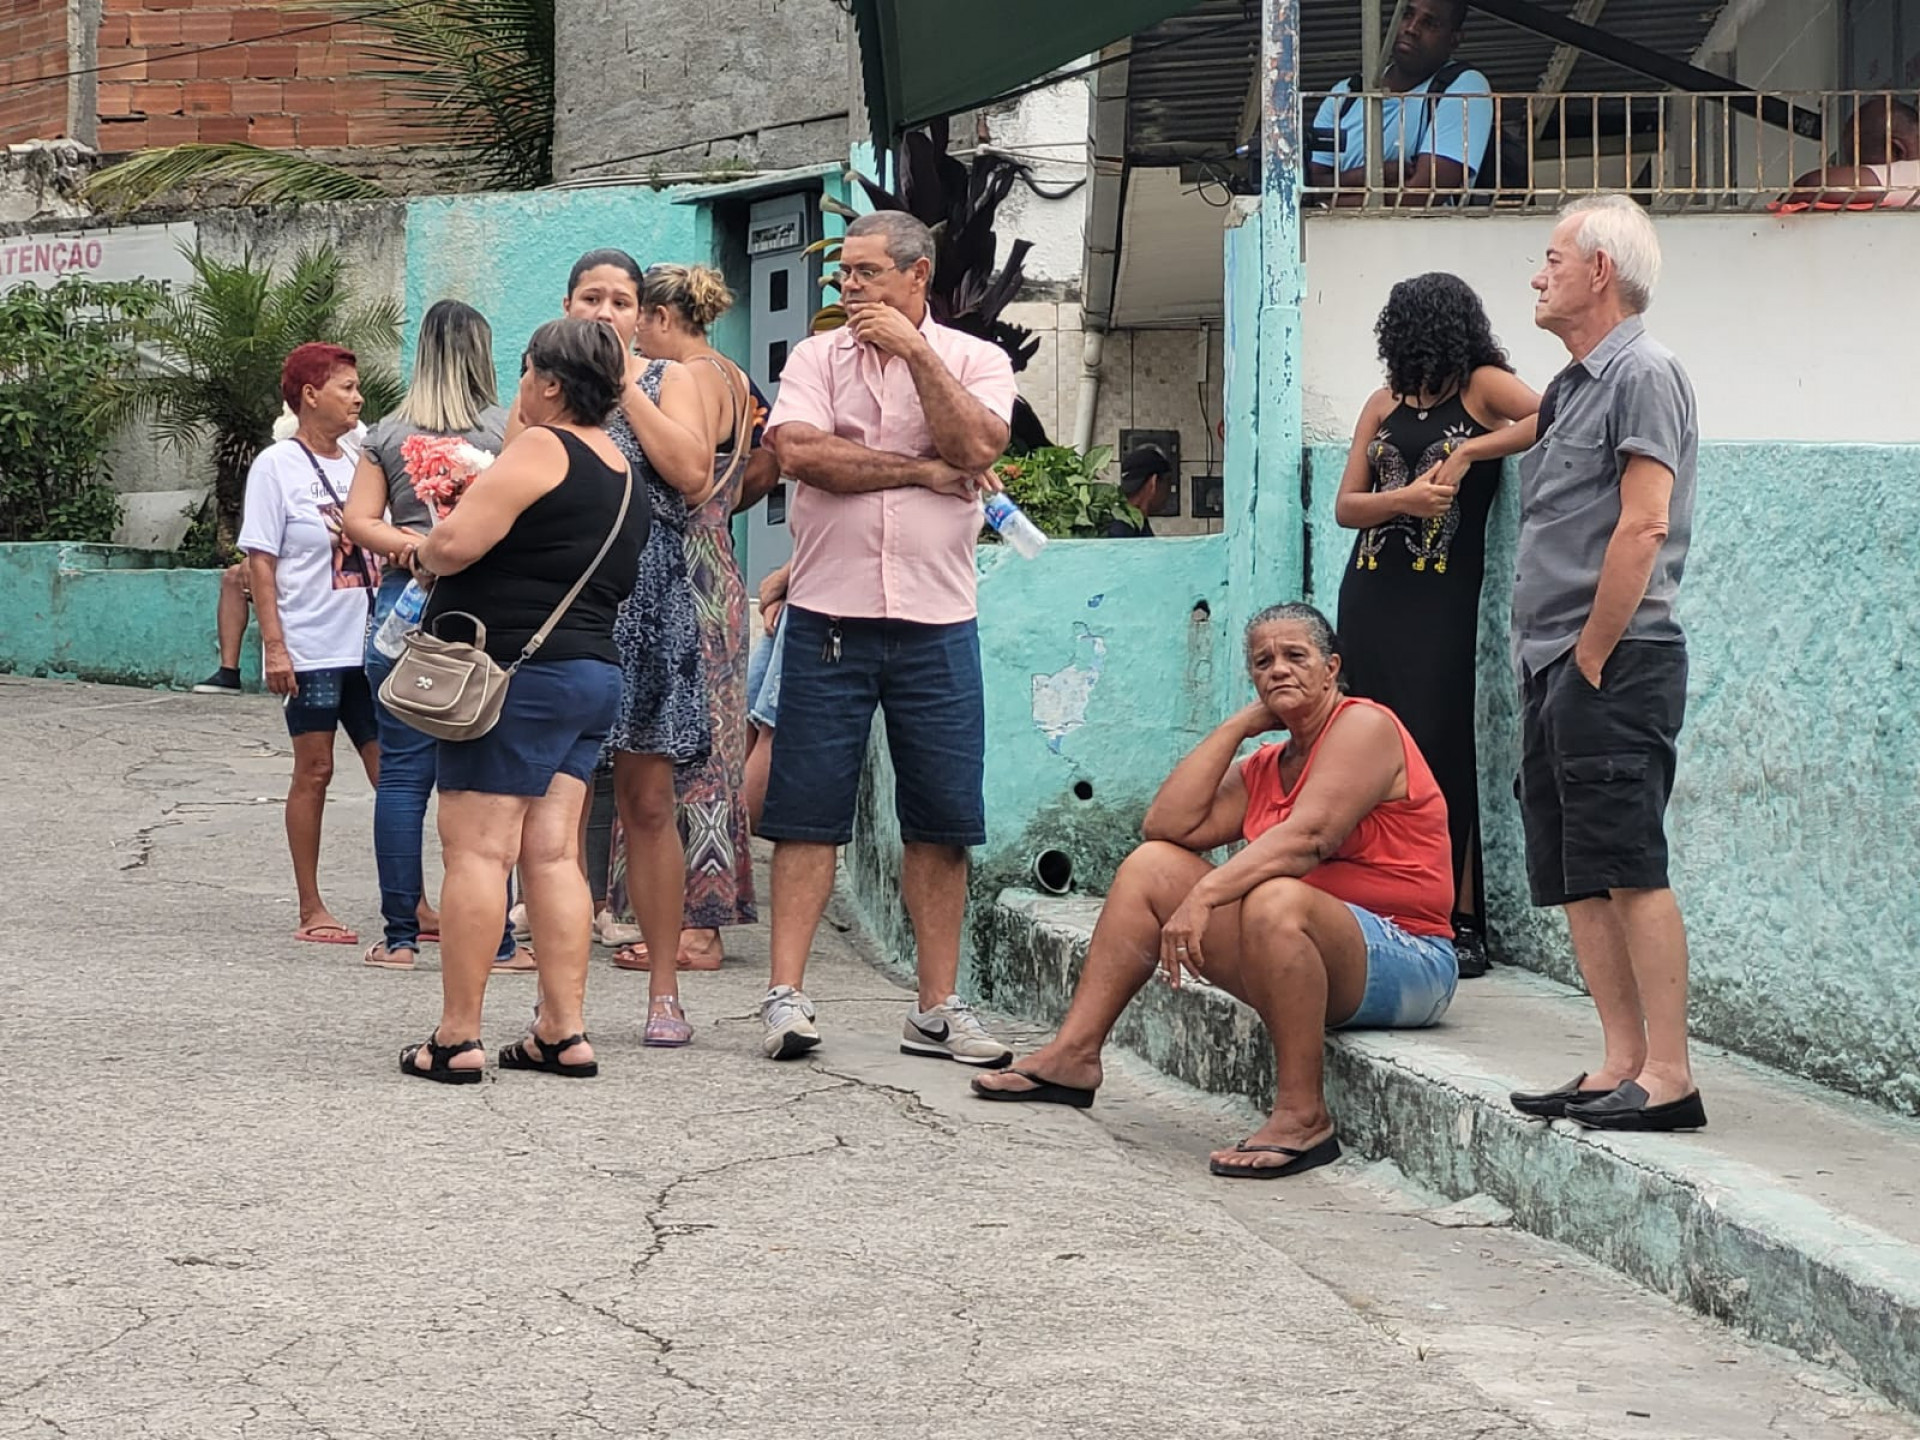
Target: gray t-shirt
1629,397
383,443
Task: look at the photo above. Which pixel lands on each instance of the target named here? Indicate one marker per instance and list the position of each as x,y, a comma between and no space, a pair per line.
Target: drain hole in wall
1053,871
1202,612
1083,790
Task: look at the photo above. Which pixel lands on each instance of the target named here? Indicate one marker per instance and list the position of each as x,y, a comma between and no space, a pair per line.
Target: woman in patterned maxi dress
678,304
663,721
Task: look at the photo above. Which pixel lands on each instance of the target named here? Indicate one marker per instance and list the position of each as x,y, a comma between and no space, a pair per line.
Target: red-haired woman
313,590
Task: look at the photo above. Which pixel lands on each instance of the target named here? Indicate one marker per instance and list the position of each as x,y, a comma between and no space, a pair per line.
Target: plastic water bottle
391,638
1013,526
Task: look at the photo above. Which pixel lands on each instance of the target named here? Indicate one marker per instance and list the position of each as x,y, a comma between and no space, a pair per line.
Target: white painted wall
1797,328
1047,129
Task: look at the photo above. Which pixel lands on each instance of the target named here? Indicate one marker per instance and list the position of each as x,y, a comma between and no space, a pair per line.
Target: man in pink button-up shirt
889,426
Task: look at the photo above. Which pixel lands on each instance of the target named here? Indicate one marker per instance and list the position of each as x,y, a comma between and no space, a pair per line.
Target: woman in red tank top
1334,914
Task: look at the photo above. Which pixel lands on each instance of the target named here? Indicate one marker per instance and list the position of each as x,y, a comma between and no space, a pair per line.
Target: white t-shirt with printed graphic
291,515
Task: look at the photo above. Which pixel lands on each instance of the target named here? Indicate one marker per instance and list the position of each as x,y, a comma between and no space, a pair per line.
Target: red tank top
1398,862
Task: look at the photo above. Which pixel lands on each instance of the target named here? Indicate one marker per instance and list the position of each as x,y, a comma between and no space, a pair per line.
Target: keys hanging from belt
830,649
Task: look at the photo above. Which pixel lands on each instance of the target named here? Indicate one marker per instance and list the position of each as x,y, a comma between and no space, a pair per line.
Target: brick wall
33,44
283,91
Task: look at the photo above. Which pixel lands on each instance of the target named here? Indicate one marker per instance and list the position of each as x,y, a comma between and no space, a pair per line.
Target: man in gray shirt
1606,512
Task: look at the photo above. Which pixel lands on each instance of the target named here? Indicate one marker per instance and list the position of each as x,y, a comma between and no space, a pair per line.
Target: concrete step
1794,1217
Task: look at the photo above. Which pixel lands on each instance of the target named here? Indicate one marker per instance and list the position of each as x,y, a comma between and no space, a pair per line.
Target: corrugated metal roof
1187,81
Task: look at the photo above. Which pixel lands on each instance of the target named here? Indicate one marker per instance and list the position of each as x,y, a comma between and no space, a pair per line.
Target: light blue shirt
1411,125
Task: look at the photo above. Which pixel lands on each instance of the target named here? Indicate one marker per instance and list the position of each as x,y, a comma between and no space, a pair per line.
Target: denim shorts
763,676
1410,978
330,700
926,680
555,719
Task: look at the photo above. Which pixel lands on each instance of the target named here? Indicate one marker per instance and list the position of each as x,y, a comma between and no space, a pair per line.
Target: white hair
1616,226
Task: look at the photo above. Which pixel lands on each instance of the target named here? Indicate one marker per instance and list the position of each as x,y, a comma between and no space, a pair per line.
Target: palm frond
262,177
480,71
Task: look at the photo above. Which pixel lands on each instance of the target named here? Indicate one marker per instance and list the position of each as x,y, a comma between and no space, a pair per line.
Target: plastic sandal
667,1025
439,1057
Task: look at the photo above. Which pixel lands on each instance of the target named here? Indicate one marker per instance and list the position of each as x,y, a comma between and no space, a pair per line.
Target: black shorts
1596,771
327,701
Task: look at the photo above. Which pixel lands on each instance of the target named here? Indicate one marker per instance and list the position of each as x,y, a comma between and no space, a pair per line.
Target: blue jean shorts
763,676
1410,978
332,700
925,679
556,717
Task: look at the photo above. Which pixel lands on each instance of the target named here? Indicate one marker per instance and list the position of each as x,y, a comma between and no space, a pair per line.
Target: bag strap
566,602
367,561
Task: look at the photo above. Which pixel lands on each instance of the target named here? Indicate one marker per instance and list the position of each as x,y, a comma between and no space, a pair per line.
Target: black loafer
1627,1109
1552,1104
1470,952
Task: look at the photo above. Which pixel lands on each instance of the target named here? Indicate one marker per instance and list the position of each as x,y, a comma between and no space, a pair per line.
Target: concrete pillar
1266,537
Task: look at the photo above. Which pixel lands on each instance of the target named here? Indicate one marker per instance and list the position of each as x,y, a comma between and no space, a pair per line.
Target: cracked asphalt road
227,1214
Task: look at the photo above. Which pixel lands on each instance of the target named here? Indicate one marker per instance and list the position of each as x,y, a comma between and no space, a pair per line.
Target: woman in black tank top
1410,600
527,529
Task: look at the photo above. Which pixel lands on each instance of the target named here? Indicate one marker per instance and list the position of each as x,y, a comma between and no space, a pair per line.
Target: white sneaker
951,1031
789,1018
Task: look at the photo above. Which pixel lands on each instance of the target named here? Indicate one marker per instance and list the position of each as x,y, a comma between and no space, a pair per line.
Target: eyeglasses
865,274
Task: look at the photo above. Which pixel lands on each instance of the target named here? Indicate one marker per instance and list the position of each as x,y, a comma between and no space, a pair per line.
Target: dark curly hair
1434,334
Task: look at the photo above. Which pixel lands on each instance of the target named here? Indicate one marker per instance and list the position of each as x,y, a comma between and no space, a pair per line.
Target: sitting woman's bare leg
560,909
1125,948
479,838
1301,963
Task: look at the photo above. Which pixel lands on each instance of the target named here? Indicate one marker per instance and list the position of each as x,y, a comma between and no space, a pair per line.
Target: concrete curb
1723,1237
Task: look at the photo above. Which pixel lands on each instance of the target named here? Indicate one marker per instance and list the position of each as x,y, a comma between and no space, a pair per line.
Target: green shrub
64,353
1062,492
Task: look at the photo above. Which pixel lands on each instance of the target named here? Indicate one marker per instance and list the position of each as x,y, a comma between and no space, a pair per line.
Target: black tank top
515,585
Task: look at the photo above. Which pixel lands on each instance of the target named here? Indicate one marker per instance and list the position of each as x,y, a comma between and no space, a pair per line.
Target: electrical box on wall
1167,442
783,281
1209,498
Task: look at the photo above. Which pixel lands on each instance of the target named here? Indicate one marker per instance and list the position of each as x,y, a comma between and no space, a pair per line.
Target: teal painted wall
1097,673
508,255
1795,825
109,613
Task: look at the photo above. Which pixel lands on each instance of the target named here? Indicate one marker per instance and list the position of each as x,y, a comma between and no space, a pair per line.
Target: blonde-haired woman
453,393
678,304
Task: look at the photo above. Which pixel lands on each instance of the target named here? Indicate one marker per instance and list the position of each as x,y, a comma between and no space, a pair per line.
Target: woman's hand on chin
1257,720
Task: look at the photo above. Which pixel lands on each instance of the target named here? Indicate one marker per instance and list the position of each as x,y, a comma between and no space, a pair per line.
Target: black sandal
1041,1092
439,1061
1314,1156
518,1057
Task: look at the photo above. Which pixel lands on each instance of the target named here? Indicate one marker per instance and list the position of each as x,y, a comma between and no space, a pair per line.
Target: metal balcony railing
1678,151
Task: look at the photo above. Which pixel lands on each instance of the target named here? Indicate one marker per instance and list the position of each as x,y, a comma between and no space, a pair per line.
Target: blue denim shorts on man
926,681
330,700
1410,978
763,676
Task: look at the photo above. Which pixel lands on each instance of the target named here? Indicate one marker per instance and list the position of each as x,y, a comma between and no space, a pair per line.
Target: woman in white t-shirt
313,590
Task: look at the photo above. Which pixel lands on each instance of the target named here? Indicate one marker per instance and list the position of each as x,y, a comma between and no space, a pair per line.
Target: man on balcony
1606,511
1435,127
1877,165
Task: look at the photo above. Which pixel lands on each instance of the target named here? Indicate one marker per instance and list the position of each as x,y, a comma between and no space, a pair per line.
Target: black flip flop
518,1057
439,1068
1044,1092
1325,1153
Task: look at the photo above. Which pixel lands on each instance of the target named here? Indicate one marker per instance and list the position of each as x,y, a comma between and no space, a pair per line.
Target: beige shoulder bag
453,689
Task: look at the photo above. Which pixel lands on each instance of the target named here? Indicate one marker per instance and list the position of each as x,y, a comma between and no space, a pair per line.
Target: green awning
926,58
